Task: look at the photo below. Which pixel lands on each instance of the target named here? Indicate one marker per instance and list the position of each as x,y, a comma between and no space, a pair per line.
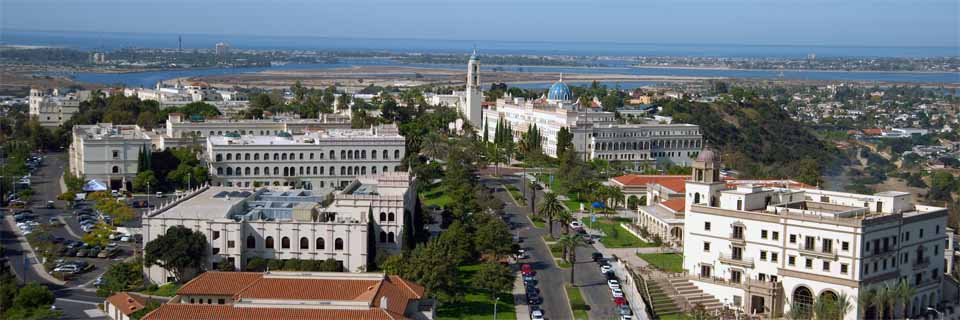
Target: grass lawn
615,235
670,262
167,290
434,195
576,303
538,222
675,317
517,195
477,303
557,252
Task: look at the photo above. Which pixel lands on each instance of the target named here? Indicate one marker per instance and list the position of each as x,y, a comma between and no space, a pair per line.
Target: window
304,243
762,277
763,255
808,263
793,238
216,235
737,232
383,216
338,244
391,217
808,242
383,236
116,154
739,204
216,250
775,235
921,233
396,154
826,266
285,243
735,276
937,230
251,242
844,268
231,244
269,243
792,260
773,256
391,238
706,247
115,169
737,253
763,234
320,244
845,246
706,226
827,245
221,301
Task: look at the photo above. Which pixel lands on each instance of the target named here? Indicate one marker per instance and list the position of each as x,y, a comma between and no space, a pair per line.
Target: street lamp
495,303
939,314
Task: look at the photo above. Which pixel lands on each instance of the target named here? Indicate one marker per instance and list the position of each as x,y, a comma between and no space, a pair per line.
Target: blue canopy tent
94,186
598,205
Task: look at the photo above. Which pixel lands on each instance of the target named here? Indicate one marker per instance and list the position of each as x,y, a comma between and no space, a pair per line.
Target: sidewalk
520,299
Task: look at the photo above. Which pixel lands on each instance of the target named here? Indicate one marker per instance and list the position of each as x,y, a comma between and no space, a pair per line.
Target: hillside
756,137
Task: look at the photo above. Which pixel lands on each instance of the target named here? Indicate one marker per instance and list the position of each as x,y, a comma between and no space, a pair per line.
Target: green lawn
670,262
167,290
434,195
516,194
675,316
576,303
477,303
615,235
538,222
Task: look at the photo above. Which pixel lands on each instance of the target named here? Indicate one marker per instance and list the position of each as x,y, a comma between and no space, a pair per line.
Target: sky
753,22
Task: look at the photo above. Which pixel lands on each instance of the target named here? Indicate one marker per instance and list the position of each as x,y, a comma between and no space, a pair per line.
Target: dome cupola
559,91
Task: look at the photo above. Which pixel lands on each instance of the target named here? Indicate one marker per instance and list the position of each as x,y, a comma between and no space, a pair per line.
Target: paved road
550,278
75,299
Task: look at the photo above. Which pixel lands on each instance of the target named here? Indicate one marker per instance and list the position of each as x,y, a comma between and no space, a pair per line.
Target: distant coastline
721,68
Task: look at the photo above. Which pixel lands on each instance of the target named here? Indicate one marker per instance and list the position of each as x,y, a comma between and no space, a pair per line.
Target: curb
37,267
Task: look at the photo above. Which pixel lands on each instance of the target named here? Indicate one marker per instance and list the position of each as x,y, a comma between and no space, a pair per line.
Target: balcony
921,263
817,251
743,261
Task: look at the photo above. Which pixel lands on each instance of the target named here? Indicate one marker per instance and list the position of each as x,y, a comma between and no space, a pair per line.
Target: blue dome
560,92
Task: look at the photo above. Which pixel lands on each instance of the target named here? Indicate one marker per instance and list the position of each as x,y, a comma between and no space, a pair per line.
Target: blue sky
781,22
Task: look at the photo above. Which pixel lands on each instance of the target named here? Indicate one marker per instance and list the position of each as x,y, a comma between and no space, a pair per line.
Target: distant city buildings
313,159
284,223
297,295
222,49
52,109
229,102
98,58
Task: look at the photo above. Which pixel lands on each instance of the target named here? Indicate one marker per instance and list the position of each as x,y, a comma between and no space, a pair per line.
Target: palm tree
842,306
868,299
569,243
434,145
904,293
617,195
565,218
550,208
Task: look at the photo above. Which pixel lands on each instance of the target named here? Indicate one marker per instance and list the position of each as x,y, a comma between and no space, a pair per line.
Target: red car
620,301
526,268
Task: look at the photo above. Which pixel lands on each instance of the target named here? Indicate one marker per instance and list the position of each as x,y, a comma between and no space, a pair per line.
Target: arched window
276,171
301,156
803,301
363,170
246,171
256,156
338,244
237,156
385,154
333,170
343,154
219,157
229,171
256,171
363,154
391,217
229,156
373,170
343,171
696,197
350,171
385,169
268,243
350,154
219,171
276,156
383,216
283,156
390,238
321,170
321,244
311,156
266,156
383,236
251,242
373,154
285,243
396,154
246,156
304,243
333,155
300,170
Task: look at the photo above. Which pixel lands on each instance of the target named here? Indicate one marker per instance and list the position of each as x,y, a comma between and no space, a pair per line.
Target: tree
564,141
145,179
492,236
550,208
570,243
122,276
179,250
99,236
494,277
941,186
903,292
809,172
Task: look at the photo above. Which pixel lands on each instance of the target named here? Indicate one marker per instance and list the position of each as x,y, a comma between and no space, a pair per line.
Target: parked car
534,299
625,310
616,292
93,252
159,194
82,252
50,204
619,301
613,284
625,317
606,269
536,315
576,225
526,268
596,256
70,252
98,282
68,268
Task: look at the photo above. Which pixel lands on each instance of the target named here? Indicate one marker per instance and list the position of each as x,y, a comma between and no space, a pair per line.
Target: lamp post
939,314
495,303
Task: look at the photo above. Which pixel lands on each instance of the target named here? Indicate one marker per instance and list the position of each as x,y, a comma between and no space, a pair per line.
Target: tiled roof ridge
405,285
237,295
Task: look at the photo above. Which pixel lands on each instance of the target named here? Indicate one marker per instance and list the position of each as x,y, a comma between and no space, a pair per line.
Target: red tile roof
309,289
176,311
638,180
219,283
675,204
770,183
126,303
873,131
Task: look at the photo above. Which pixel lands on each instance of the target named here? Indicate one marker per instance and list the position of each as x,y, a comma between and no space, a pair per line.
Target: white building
222,49
54,109
767,249
596,134
183,131
107,152
468,102
314,159
227,101
283,223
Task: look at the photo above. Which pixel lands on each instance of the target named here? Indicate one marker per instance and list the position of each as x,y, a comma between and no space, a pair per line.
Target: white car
613,284
576,225
536,315
617,293
605,269
626,317
67,269
159,194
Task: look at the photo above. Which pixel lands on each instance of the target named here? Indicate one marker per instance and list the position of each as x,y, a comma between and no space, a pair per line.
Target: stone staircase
693,295
662,301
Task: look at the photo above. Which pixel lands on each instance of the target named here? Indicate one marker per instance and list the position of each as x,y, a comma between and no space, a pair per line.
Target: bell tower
705,184
472,109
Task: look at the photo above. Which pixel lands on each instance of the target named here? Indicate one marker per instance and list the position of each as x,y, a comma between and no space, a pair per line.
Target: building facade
766,250
596,134
297,295
107,152
284,223
181,131
315,159
52,110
